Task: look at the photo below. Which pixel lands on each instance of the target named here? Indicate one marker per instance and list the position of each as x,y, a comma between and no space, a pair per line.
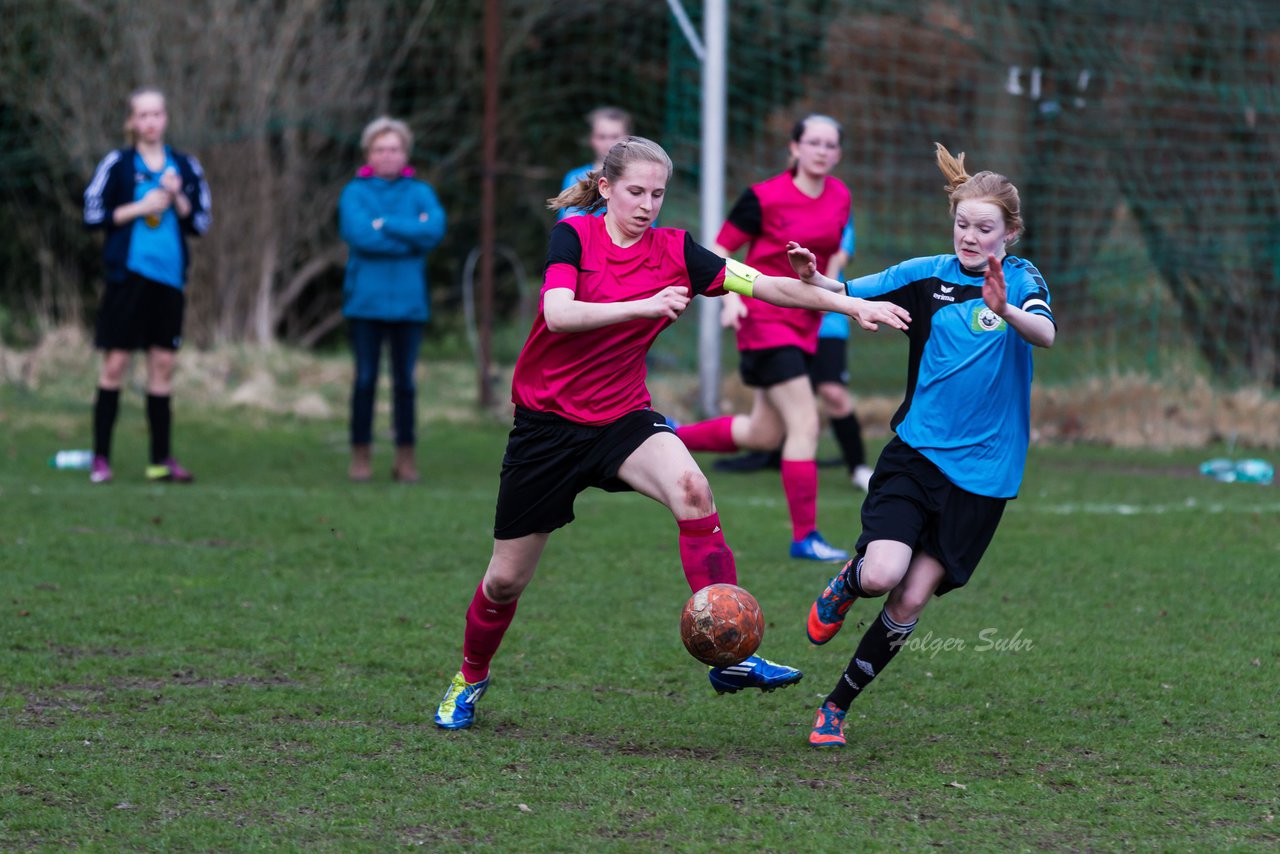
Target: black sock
877,648
160,420
848,435
105,407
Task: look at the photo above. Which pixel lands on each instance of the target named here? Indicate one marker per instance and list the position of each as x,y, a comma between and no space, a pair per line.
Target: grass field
252,662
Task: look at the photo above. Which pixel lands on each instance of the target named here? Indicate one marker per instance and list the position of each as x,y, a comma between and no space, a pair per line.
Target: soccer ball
721,625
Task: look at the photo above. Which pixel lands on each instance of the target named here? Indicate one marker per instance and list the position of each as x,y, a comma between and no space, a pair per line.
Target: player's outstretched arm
565,313
805,263
793,293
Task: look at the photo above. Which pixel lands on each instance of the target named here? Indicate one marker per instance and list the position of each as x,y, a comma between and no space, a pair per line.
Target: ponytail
984,186
952,168
583,194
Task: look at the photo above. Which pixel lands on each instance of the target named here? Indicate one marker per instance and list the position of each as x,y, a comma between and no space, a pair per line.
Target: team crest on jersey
986,320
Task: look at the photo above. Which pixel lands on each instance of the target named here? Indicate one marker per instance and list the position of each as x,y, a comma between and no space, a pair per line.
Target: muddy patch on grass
77,698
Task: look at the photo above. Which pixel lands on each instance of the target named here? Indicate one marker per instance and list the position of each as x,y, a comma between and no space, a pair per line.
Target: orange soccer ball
721,625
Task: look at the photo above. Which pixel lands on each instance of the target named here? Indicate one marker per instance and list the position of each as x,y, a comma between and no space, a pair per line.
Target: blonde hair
585,194
984,186
616,114
386,124
130,136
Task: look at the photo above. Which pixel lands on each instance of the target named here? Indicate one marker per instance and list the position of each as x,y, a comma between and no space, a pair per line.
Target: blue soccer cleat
813,547
826,616
458,708
755,672
828,726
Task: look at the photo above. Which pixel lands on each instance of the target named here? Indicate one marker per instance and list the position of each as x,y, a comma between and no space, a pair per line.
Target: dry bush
1129,411
1125,411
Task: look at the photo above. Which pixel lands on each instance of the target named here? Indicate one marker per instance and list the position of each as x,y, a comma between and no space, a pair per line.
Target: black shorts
771,366
549,460
831,362
912,501
138,314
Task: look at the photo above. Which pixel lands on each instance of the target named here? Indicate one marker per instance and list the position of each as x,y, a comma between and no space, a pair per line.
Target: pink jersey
597,376
767,216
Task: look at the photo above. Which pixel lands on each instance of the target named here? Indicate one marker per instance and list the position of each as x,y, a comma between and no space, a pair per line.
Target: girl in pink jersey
807,205
583,418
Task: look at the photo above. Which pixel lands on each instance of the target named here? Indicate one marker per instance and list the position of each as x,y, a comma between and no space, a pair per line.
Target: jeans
366,344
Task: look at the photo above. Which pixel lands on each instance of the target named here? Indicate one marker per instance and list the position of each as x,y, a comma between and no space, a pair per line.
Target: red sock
486,624
713,435
800,484
704,553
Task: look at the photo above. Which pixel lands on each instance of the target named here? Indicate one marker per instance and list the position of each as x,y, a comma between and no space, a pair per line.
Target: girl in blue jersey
391,222
608,125
148,198
940,485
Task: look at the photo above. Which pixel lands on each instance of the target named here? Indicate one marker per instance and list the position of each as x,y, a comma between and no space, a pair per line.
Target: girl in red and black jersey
807,205
583,418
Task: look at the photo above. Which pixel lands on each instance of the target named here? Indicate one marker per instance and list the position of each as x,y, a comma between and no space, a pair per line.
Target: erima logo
944,297
947,290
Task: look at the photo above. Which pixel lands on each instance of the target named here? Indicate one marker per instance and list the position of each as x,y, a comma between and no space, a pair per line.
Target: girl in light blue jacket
390,221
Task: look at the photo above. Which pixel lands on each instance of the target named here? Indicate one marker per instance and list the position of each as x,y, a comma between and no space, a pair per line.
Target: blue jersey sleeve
848,238
1029,291
886,282
896,284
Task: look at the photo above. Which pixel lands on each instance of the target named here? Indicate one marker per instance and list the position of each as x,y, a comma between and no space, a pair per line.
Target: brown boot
405,469
361,463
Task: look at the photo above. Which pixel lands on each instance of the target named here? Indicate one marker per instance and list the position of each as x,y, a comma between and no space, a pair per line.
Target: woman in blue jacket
390,222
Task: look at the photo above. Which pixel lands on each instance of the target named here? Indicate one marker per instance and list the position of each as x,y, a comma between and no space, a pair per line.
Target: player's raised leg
492,609
662,469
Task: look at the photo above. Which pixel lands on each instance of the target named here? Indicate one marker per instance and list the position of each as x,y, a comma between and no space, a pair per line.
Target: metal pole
714,77
488,212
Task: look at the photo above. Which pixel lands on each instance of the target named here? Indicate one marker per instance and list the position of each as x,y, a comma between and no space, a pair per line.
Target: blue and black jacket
113,185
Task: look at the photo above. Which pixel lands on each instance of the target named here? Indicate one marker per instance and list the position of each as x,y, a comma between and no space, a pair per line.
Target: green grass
252,662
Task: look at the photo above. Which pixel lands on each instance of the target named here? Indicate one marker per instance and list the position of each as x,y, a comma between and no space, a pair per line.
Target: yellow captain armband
739,278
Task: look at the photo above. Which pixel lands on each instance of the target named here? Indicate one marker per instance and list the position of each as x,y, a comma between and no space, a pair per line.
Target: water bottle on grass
78,459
